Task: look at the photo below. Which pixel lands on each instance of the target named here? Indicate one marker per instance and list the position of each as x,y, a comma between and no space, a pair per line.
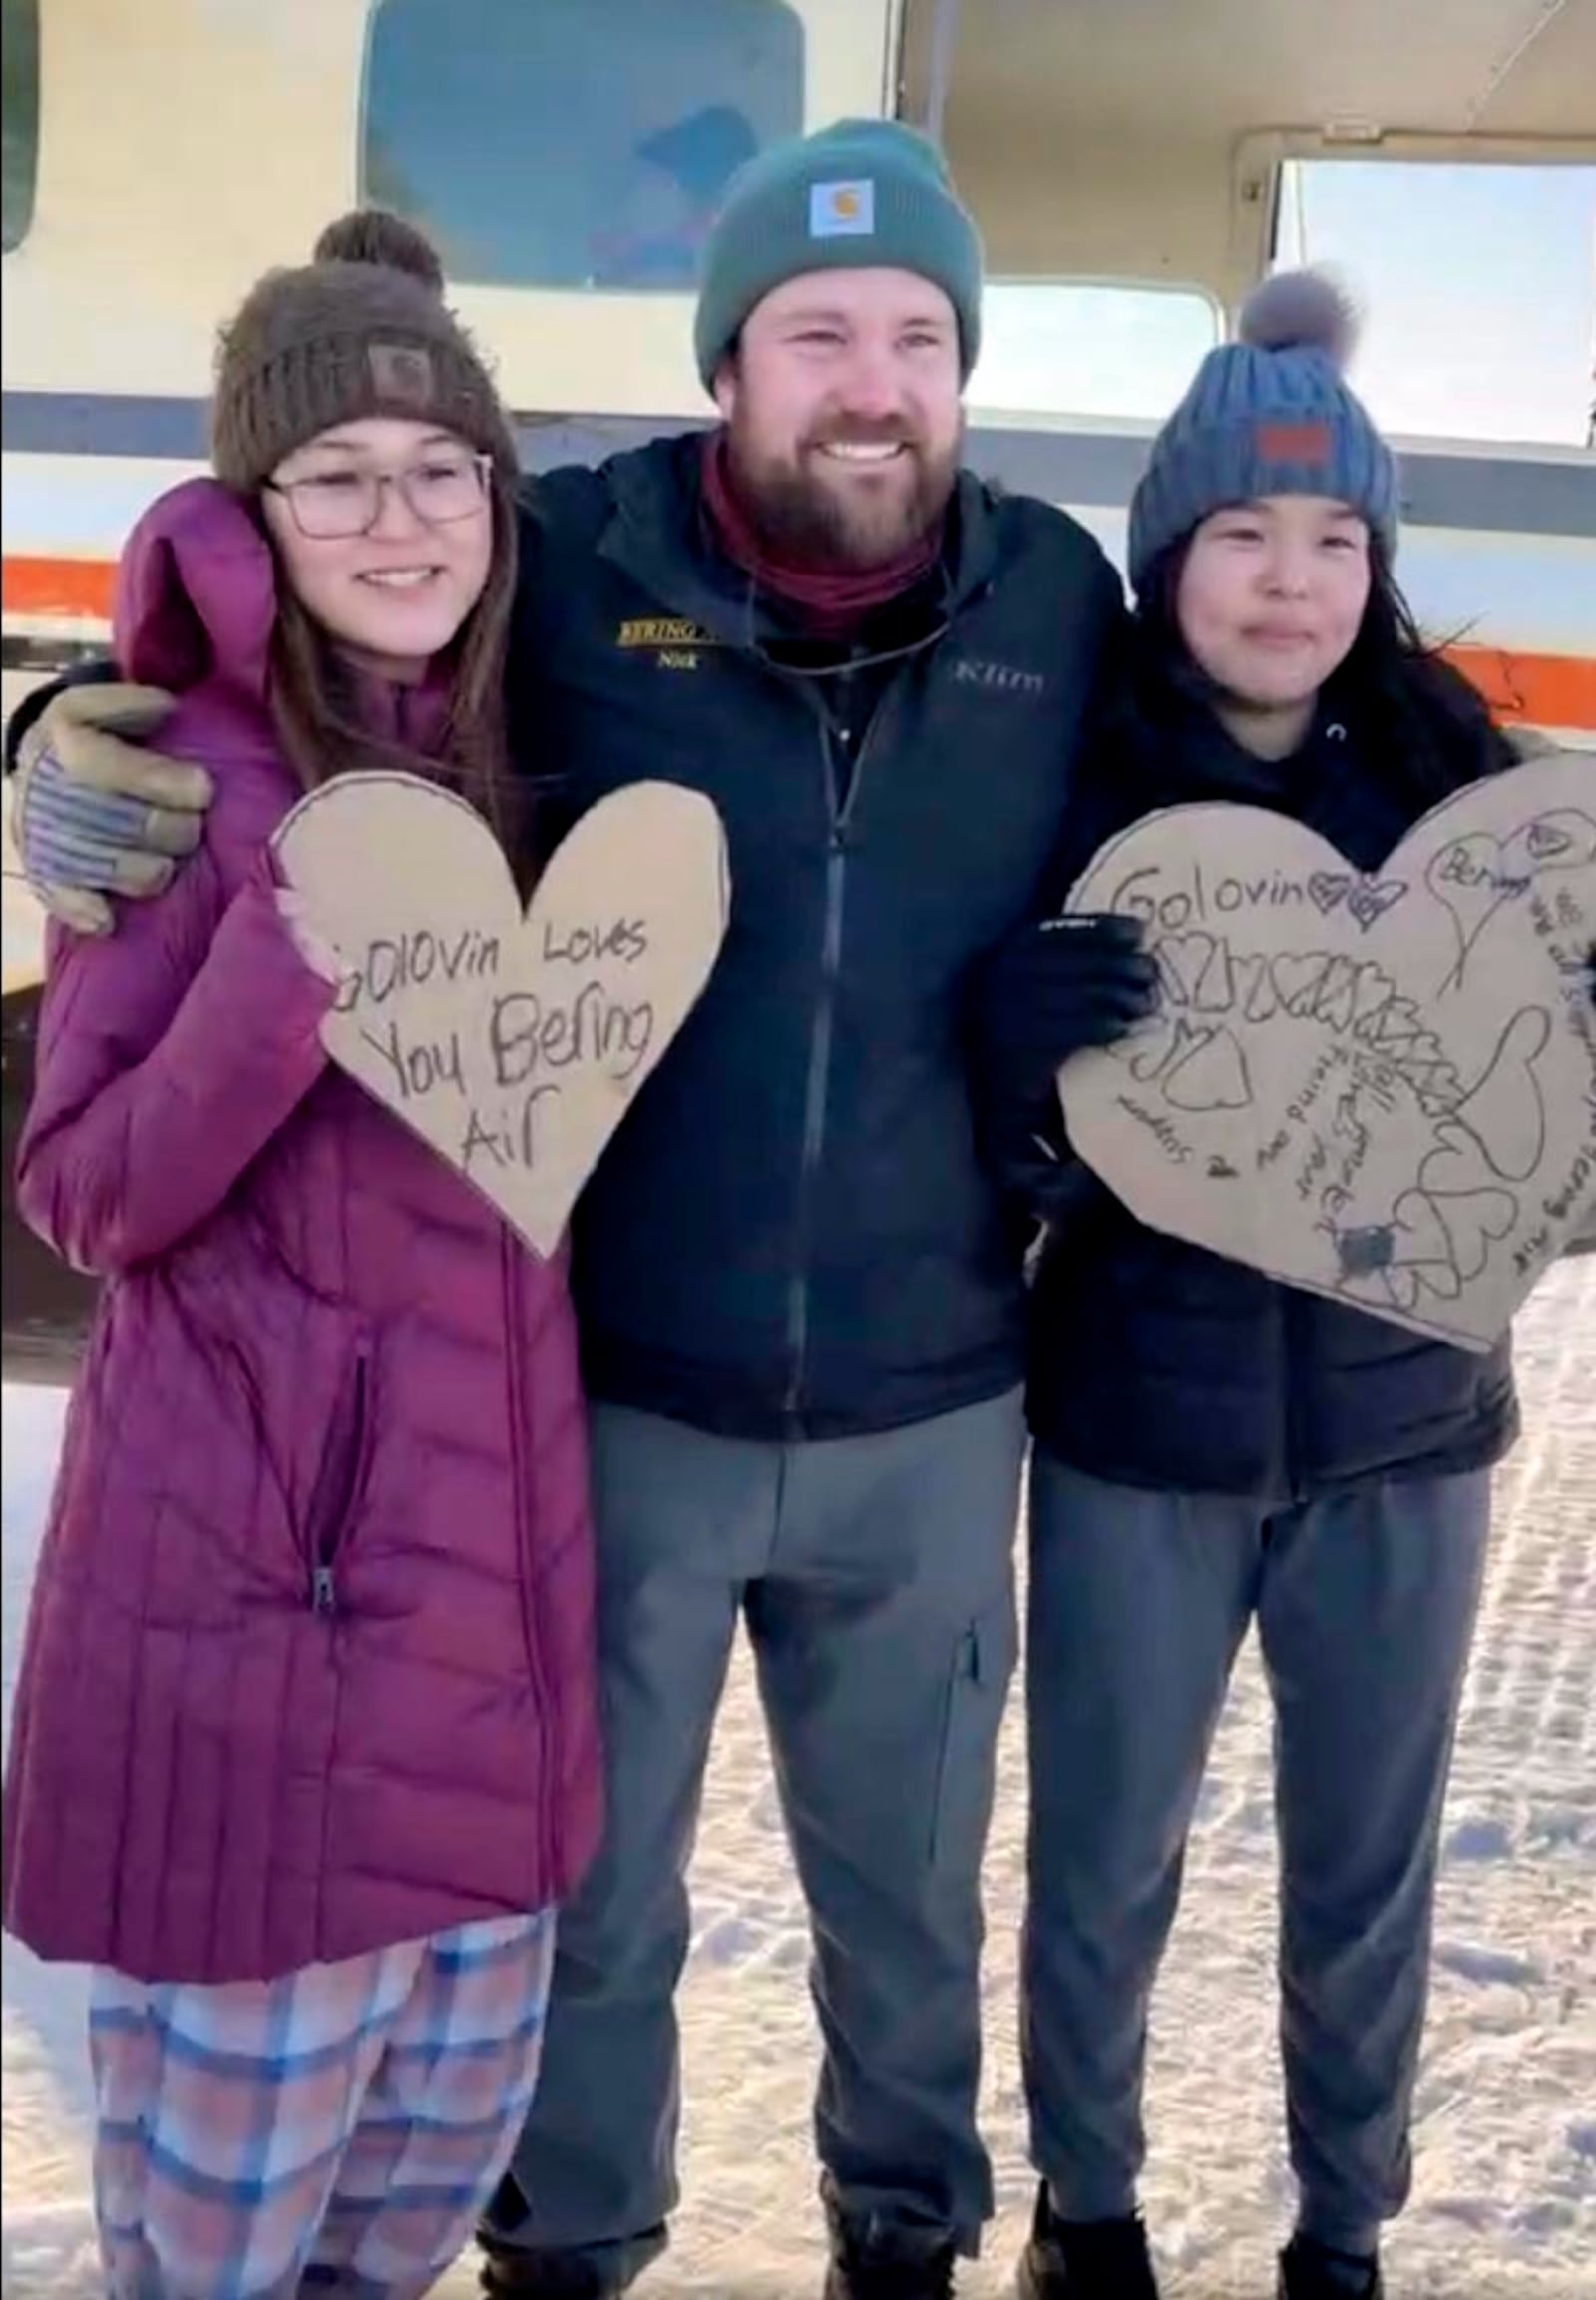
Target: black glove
1051,988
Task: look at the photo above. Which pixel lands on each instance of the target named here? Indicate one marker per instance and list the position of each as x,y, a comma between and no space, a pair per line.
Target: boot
1312,2271
1085,2259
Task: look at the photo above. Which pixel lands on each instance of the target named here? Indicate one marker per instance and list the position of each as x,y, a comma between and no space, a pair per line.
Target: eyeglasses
337,504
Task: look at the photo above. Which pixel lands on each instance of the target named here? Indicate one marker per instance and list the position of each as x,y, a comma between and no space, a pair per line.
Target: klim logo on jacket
997,678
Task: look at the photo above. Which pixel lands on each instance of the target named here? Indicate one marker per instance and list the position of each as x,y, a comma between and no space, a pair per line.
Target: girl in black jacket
1214,1446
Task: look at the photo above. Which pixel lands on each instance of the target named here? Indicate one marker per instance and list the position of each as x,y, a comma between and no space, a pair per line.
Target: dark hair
1422,726
318,724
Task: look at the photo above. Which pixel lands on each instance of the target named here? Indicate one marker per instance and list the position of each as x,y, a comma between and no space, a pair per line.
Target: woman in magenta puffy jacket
305,1748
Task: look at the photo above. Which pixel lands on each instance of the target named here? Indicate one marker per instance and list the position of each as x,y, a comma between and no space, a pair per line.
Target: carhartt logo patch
842,210
401,371
1309,443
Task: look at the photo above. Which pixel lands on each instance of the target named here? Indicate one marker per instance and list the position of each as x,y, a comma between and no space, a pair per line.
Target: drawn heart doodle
1473,1225
1369,899
1554,842
1503,1108
1421,1248
1399,1068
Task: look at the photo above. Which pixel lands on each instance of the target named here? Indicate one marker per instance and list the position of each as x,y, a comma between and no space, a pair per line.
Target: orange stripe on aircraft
74,589
1535,689
1531,689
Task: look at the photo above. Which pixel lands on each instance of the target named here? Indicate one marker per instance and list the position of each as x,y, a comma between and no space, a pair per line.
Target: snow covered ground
1505,2201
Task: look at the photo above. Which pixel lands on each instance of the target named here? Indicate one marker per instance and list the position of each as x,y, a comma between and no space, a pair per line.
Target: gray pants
1365,1606
876,1579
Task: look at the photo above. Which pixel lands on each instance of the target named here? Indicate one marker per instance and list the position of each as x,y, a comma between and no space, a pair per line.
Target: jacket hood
196,594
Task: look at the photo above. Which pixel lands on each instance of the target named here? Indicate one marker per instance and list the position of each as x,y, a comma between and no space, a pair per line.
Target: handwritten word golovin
1378,1086
511,1042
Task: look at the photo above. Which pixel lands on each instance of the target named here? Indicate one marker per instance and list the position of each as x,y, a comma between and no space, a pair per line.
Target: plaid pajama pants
334,2132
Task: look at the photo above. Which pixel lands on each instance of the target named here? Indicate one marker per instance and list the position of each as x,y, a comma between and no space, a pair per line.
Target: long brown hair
311,693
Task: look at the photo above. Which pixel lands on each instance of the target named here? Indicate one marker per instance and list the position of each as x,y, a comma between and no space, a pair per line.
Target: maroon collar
832,602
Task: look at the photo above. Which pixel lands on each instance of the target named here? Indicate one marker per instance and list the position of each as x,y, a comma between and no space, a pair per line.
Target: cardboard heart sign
512,1041
1379,1087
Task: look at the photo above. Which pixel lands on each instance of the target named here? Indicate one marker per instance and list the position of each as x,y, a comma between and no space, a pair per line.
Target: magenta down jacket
309,1668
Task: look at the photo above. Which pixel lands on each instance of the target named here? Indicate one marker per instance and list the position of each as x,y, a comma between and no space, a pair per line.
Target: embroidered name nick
997,678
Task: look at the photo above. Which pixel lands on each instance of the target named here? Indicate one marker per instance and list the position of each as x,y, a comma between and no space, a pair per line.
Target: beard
830,516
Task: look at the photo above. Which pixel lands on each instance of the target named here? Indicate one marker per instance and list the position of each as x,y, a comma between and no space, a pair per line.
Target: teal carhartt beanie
1269,414
851,196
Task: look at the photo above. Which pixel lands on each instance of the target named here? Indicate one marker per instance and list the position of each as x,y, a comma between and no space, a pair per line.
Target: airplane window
1095,348
19,87
564,146
1479,285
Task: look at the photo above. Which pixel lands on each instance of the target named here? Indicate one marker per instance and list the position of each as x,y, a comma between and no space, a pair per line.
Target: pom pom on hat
372,235
1301,311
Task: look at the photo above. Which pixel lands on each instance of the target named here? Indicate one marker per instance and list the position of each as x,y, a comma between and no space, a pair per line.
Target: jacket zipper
342,1477
519,1440
817,1085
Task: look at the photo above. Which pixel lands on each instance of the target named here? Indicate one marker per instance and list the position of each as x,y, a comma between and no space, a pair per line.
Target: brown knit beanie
361,330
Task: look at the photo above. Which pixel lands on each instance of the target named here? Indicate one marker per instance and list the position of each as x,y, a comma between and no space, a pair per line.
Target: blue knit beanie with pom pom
1269,414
